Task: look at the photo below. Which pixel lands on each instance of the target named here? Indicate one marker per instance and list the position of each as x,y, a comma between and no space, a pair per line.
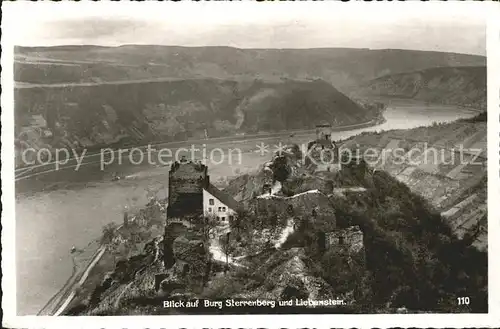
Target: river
69,208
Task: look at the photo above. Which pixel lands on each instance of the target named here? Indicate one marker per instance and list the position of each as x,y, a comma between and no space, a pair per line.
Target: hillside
138,112
341,67
428,160
355,235
454,182
464,86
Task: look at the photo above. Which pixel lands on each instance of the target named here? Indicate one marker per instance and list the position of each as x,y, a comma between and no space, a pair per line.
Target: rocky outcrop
311,204
291,278
170,285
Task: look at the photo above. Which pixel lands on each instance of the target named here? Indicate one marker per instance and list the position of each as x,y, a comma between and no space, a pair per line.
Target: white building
218,204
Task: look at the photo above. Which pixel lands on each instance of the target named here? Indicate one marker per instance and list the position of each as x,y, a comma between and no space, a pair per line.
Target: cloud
93,27
248,26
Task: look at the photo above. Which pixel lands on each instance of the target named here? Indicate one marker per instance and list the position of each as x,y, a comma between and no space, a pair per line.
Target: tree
208,227
239,219
226,247
281,171
108,233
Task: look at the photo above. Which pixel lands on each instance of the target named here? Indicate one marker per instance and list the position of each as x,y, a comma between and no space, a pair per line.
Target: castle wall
350,239
185,184
307,205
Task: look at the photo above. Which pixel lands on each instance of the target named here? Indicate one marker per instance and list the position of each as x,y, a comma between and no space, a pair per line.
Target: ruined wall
349,239
311,205
191,257
172,231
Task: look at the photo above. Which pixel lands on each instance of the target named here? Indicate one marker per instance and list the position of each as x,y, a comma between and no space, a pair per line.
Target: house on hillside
192,196
219,204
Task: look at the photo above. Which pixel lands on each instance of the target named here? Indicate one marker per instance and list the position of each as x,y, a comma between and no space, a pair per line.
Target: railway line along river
60,209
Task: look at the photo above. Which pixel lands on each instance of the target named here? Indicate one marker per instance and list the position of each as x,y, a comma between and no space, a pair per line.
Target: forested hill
464,86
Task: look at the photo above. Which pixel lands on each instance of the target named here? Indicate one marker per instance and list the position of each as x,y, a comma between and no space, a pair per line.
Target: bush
108,233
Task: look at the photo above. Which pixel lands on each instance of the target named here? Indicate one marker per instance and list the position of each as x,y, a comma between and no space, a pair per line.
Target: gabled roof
223,197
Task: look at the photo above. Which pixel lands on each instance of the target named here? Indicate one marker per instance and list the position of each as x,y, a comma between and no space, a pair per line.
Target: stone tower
186,181
324,132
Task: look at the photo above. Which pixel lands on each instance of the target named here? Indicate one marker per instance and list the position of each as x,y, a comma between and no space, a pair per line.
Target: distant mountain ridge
94,96
340,66
464,86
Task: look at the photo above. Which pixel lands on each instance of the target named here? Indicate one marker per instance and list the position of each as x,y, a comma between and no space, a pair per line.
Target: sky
422,26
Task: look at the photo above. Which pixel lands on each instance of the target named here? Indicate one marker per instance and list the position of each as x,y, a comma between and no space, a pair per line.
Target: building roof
223,197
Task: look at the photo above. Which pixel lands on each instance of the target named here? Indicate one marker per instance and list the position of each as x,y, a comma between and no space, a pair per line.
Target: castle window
218,218
209,209
211,202
341,240
220,209
223,219
185,270
224,209
231,218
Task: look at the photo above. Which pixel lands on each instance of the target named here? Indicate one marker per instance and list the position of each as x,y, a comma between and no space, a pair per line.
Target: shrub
108,233
222,287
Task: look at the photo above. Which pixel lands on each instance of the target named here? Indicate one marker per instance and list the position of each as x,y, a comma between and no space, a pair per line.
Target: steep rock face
191,256
465,86
248,186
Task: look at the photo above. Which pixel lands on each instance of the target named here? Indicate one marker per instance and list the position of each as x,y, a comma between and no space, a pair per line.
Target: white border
491,10
493,138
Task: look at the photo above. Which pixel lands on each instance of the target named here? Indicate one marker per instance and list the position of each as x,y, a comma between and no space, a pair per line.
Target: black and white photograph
180,159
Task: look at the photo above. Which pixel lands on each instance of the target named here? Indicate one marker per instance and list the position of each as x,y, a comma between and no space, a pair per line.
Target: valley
86,200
